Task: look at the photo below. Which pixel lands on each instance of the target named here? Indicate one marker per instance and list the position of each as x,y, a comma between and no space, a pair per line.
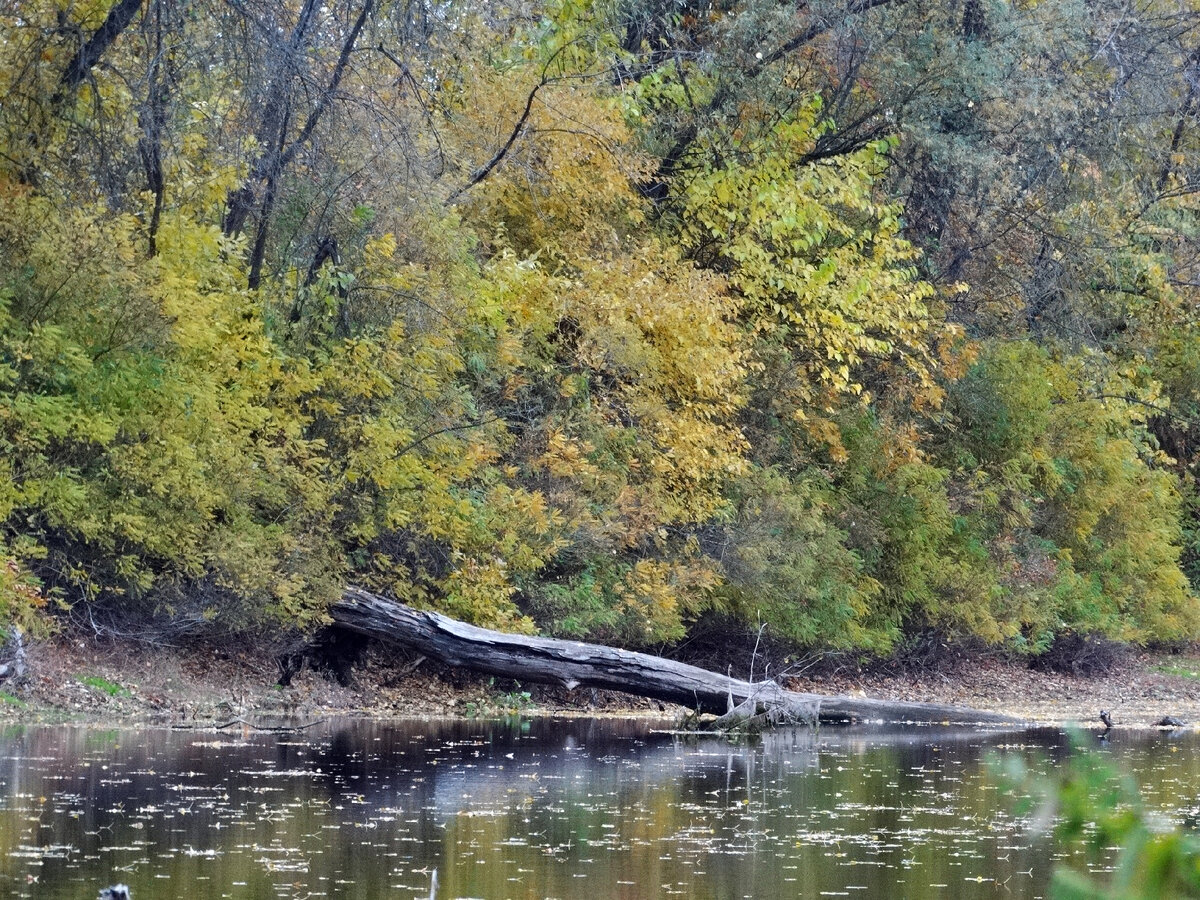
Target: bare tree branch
334,81
280,151
486,169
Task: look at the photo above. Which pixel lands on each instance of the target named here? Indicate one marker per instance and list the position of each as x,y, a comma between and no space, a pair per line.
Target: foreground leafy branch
1095,804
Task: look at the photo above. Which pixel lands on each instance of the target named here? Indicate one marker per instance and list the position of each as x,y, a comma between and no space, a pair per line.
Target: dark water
550,808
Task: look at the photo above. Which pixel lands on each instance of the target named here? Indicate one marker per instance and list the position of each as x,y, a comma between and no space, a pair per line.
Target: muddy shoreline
88,681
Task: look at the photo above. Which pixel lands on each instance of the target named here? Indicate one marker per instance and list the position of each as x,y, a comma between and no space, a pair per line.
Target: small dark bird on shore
1169,722
1106,719
116,892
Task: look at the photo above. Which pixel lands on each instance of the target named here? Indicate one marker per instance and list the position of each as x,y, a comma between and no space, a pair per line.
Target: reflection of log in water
575,664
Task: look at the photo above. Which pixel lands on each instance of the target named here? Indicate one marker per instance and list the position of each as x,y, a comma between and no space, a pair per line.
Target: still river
583,808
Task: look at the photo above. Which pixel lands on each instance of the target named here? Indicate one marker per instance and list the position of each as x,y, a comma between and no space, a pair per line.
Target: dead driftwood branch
277,729
575,664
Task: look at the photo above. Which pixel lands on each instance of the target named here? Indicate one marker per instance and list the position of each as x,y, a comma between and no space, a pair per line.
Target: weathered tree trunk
575,664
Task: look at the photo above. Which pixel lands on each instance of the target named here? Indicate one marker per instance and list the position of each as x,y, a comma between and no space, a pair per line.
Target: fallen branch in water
281,729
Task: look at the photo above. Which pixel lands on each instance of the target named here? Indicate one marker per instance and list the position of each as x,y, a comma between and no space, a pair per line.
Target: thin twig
754,653
447,430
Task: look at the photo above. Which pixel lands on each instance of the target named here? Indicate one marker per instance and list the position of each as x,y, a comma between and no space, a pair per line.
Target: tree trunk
91,51
575,664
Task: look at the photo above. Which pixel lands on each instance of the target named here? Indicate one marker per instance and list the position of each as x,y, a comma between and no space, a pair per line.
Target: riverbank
1141,688
74,679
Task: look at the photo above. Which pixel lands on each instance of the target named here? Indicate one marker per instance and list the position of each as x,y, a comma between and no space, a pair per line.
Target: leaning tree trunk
575,664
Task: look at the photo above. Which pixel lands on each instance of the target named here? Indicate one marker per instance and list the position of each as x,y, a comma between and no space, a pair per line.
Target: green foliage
1076,515
831,295
144,420
620,601
105,686
915,541
21,598
496,704
786,563
1186,668
620,370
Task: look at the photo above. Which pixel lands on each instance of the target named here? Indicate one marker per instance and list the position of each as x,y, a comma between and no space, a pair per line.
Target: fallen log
575,664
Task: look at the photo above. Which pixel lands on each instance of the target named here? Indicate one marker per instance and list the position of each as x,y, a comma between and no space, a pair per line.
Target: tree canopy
852,319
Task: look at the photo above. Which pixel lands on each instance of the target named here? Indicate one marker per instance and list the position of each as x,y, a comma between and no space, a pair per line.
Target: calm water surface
548,808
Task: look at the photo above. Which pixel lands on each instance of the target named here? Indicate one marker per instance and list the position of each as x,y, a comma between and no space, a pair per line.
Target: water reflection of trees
555,807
